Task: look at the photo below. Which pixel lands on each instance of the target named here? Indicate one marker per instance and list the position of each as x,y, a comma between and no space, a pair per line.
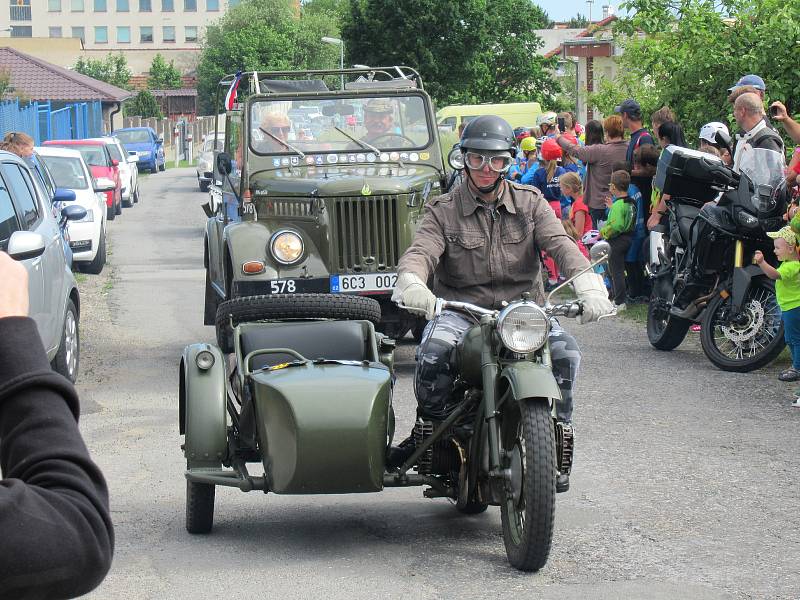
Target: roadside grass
184,164
635,312
80,277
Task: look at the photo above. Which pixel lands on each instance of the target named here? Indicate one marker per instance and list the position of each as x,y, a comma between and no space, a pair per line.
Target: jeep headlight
523,327
286,247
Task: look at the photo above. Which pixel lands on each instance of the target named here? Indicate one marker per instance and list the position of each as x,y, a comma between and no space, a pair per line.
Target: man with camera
56,538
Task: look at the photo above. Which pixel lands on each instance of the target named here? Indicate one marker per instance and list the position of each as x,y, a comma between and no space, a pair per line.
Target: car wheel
129,202
111,213
163,166
67,358
118,206
96,266
136,195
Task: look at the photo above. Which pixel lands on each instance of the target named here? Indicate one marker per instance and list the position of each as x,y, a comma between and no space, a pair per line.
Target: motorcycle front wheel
664,331
528,509
748,341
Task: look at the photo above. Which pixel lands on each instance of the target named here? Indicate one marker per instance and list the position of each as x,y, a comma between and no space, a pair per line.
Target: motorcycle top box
691,174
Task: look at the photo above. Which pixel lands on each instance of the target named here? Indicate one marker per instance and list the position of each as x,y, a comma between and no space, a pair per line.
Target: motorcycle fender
531,380
202,407
742,277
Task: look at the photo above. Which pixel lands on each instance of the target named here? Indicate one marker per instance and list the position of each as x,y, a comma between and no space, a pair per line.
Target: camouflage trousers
437,369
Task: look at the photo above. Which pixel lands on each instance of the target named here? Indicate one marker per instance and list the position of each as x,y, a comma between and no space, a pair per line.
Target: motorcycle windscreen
323,428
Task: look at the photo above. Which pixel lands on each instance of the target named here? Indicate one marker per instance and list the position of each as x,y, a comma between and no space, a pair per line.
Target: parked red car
101,164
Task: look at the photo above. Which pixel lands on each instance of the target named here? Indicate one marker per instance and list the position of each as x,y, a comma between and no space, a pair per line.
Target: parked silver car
205,159
30,233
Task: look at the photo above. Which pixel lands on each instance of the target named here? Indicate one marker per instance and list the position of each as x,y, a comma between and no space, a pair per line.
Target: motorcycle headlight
286,247
523,327
746,219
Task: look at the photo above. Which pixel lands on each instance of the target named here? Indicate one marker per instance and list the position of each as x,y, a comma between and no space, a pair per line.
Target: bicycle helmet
591,237
551,150
708,132
527,144
547,118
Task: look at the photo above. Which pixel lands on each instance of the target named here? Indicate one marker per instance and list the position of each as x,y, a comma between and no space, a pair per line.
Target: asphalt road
685,484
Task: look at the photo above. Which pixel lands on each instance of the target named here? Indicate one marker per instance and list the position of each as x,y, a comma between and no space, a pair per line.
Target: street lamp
337,42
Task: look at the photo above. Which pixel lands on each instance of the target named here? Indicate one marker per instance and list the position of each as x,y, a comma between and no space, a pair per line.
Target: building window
232,3
146,35
54,5
190,34
168,34
212,5
55,31
124,35
20,10
190,5
145,6
80,33
167,5
100,5
101,35
123,5
21,31
76,5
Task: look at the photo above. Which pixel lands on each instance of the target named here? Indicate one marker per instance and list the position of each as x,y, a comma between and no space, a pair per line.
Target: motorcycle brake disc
740,335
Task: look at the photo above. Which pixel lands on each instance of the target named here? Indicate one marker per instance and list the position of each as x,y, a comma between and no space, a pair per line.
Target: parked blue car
147,144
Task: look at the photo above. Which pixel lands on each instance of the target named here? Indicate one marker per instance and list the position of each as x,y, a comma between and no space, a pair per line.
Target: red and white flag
230,97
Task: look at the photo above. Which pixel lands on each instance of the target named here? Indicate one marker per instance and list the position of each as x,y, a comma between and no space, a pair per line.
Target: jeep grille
365,236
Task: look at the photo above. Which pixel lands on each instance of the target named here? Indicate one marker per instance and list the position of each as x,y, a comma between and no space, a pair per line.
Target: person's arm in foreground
767,268
56,538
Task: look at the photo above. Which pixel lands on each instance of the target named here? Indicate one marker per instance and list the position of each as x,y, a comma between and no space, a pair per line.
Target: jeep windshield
363,126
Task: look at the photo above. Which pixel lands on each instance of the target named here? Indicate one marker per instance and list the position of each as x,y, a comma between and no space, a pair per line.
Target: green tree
687,53
163,75
263,35
478,50
144,105
112,69
335,8
6,89
579,21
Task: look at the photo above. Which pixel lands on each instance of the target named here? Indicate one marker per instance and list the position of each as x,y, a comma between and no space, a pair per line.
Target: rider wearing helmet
526,162
479,243
547,123
708,139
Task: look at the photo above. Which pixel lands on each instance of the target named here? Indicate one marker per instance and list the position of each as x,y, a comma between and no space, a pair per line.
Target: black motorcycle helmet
488,133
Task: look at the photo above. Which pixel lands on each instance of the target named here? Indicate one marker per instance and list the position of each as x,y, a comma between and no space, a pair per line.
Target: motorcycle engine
443,457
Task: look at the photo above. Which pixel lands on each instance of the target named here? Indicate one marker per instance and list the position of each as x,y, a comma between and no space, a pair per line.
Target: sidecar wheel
472,508
528,509
199,507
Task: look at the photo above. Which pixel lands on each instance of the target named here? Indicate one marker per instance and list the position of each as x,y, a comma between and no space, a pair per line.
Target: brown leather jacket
485,258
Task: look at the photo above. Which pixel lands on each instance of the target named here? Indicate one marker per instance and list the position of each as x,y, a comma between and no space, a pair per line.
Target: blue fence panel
46,121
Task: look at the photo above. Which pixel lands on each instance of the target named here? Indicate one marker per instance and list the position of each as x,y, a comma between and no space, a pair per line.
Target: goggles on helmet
499,163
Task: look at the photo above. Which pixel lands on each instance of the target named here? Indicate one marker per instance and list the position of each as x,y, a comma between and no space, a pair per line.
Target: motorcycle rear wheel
752,345
665,331
528,508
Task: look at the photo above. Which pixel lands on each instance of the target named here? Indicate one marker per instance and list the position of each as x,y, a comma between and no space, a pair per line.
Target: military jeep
321,185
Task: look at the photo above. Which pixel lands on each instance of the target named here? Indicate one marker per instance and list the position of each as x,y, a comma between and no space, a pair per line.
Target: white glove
592,294
412,293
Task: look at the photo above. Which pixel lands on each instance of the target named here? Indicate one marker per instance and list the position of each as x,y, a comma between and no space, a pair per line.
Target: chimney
608,10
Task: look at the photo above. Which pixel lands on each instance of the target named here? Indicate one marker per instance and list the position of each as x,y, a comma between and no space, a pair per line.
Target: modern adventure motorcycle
701,266
307,391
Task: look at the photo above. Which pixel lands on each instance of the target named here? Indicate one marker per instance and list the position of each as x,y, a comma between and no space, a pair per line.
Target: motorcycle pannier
695,176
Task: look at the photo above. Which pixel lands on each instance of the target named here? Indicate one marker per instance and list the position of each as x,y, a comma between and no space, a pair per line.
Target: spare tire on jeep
291,306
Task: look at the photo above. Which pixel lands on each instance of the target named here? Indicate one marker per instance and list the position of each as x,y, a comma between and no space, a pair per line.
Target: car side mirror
114,162
224,163
73,212
103,184
23,245
64,195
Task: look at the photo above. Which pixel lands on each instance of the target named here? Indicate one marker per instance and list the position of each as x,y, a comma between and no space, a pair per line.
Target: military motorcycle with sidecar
303,385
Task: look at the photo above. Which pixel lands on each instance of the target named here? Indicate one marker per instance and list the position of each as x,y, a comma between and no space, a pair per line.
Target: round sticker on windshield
385,156
332,159
371,157
309,160
414,157
360,157
404,156
395,156
424,155
285,162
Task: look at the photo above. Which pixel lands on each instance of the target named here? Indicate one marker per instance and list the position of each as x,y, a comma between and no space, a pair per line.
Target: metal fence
197,128
52,121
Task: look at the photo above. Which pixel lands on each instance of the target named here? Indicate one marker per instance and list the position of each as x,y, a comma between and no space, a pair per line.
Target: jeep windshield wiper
282,143
361,143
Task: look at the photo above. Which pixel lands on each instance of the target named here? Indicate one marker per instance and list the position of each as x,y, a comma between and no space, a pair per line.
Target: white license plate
369,282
